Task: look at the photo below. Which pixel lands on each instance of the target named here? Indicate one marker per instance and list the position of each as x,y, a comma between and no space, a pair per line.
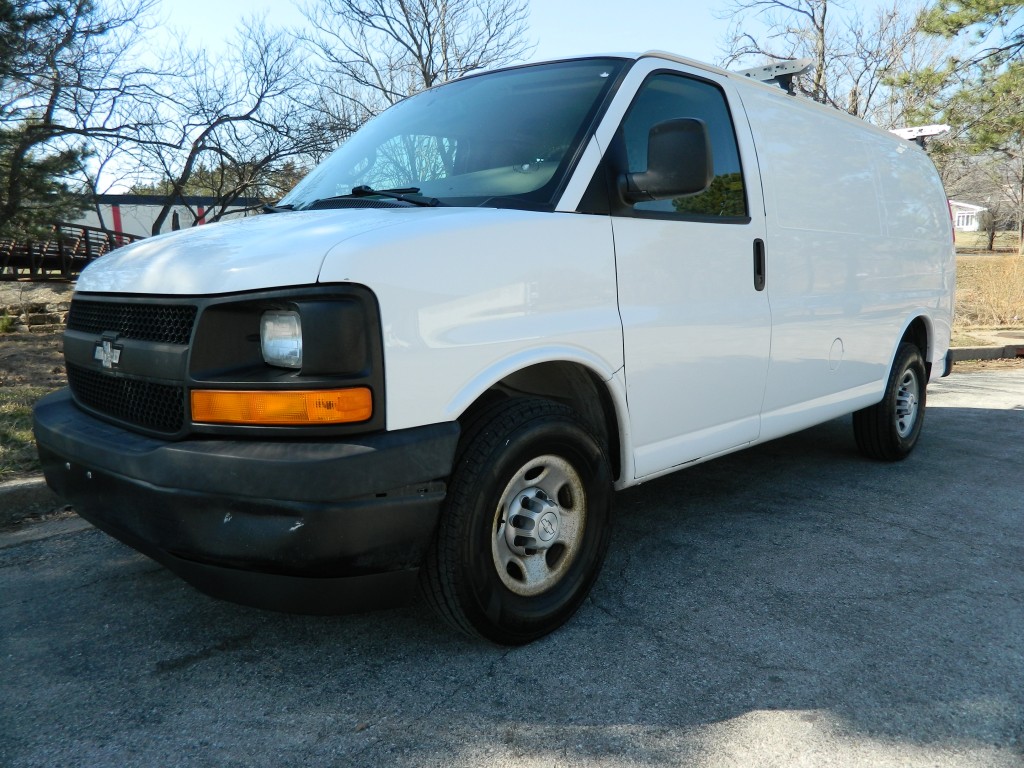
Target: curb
21,499
1011,351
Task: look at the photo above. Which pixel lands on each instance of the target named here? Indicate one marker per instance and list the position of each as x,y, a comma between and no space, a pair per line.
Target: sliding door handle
759,265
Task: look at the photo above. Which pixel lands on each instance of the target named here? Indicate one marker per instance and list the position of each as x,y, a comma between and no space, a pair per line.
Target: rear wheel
890,429
525,525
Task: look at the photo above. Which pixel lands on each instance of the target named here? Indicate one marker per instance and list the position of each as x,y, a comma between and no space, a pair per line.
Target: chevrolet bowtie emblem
107,354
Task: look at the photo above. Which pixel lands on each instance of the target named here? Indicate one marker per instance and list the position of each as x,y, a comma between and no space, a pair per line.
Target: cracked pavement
789,605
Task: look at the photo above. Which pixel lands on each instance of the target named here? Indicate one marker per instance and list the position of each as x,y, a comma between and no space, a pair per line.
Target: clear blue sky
686,27
559,27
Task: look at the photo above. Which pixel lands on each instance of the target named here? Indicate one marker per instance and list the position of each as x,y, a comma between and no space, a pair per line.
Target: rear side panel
859,244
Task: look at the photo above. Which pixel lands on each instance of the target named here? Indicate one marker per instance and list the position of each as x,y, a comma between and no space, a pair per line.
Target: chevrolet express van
432,363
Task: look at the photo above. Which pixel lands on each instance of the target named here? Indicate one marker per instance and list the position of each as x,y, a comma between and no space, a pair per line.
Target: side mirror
678,163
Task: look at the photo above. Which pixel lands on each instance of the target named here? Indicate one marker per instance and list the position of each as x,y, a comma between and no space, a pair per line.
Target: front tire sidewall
490,607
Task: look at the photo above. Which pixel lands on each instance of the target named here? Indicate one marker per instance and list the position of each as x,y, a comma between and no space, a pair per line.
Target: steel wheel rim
547,491
908,403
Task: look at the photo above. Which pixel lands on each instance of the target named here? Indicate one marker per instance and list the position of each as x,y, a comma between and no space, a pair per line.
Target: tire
889,430
525,525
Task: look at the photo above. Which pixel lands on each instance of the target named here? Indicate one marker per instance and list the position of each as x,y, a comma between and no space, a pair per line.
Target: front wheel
525,525
889,430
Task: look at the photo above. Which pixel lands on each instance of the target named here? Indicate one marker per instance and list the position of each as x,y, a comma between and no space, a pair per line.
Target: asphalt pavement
790,605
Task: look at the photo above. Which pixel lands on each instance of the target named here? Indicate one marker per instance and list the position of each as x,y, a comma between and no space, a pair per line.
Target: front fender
468,296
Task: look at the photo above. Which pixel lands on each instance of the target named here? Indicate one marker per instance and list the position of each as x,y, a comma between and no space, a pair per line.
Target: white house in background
135,214
965,216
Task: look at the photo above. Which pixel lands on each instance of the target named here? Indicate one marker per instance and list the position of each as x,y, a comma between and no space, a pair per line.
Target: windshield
507,134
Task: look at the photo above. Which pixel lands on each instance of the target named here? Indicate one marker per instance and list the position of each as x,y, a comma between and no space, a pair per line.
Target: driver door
695,317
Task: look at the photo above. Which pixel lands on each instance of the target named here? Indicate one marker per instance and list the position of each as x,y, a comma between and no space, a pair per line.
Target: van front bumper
312,526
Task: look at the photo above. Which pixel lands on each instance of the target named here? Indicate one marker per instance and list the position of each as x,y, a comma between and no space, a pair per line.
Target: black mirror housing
678,163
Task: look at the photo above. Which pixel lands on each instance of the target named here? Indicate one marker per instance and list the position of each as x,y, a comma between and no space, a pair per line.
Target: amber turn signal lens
282,408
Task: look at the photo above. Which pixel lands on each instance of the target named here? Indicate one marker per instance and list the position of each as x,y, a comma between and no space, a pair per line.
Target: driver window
666,96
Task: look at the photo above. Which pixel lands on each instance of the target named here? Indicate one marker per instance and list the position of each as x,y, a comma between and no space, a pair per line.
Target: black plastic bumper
322,526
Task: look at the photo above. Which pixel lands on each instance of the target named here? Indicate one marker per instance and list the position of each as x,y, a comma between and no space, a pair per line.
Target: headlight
281,339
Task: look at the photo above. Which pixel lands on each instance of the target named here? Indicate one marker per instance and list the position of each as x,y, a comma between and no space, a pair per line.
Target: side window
666,96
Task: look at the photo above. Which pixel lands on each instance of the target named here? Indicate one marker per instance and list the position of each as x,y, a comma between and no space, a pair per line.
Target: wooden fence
62,256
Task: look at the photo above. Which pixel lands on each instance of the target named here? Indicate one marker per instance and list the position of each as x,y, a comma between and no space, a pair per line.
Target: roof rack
781,73
921,134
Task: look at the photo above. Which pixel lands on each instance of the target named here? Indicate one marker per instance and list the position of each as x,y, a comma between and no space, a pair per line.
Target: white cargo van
500,300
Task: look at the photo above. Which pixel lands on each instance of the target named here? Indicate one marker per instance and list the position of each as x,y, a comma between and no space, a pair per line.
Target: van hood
254,253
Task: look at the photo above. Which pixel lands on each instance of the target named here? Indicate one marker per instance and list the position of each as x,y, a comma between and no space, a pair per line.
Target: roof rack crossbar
920,134
781,73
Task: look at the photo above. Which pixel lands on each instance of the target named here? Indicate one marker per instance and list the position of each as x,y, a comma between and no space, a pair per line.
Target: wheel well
568,383
917,334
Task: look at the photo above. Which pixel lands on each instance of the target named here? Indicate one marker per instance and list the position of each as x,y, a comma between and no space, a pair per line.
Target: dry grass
977,242
989,291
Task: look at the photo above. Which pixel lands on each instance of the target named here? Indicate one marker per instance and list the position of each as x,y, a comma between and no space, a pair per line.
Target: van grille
147,404
162,323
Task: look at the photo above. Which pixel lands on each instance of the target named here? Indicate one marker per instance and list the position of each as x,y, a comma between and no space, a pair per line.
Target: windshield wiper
270,208
397,194
402,194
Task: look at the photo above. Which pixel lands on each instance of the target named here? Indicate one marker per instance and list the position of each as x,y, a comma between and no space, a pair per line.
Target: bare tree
68,79
860,60
373,53
1006,176
77,111
224,125
886,48
795,30
992,179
